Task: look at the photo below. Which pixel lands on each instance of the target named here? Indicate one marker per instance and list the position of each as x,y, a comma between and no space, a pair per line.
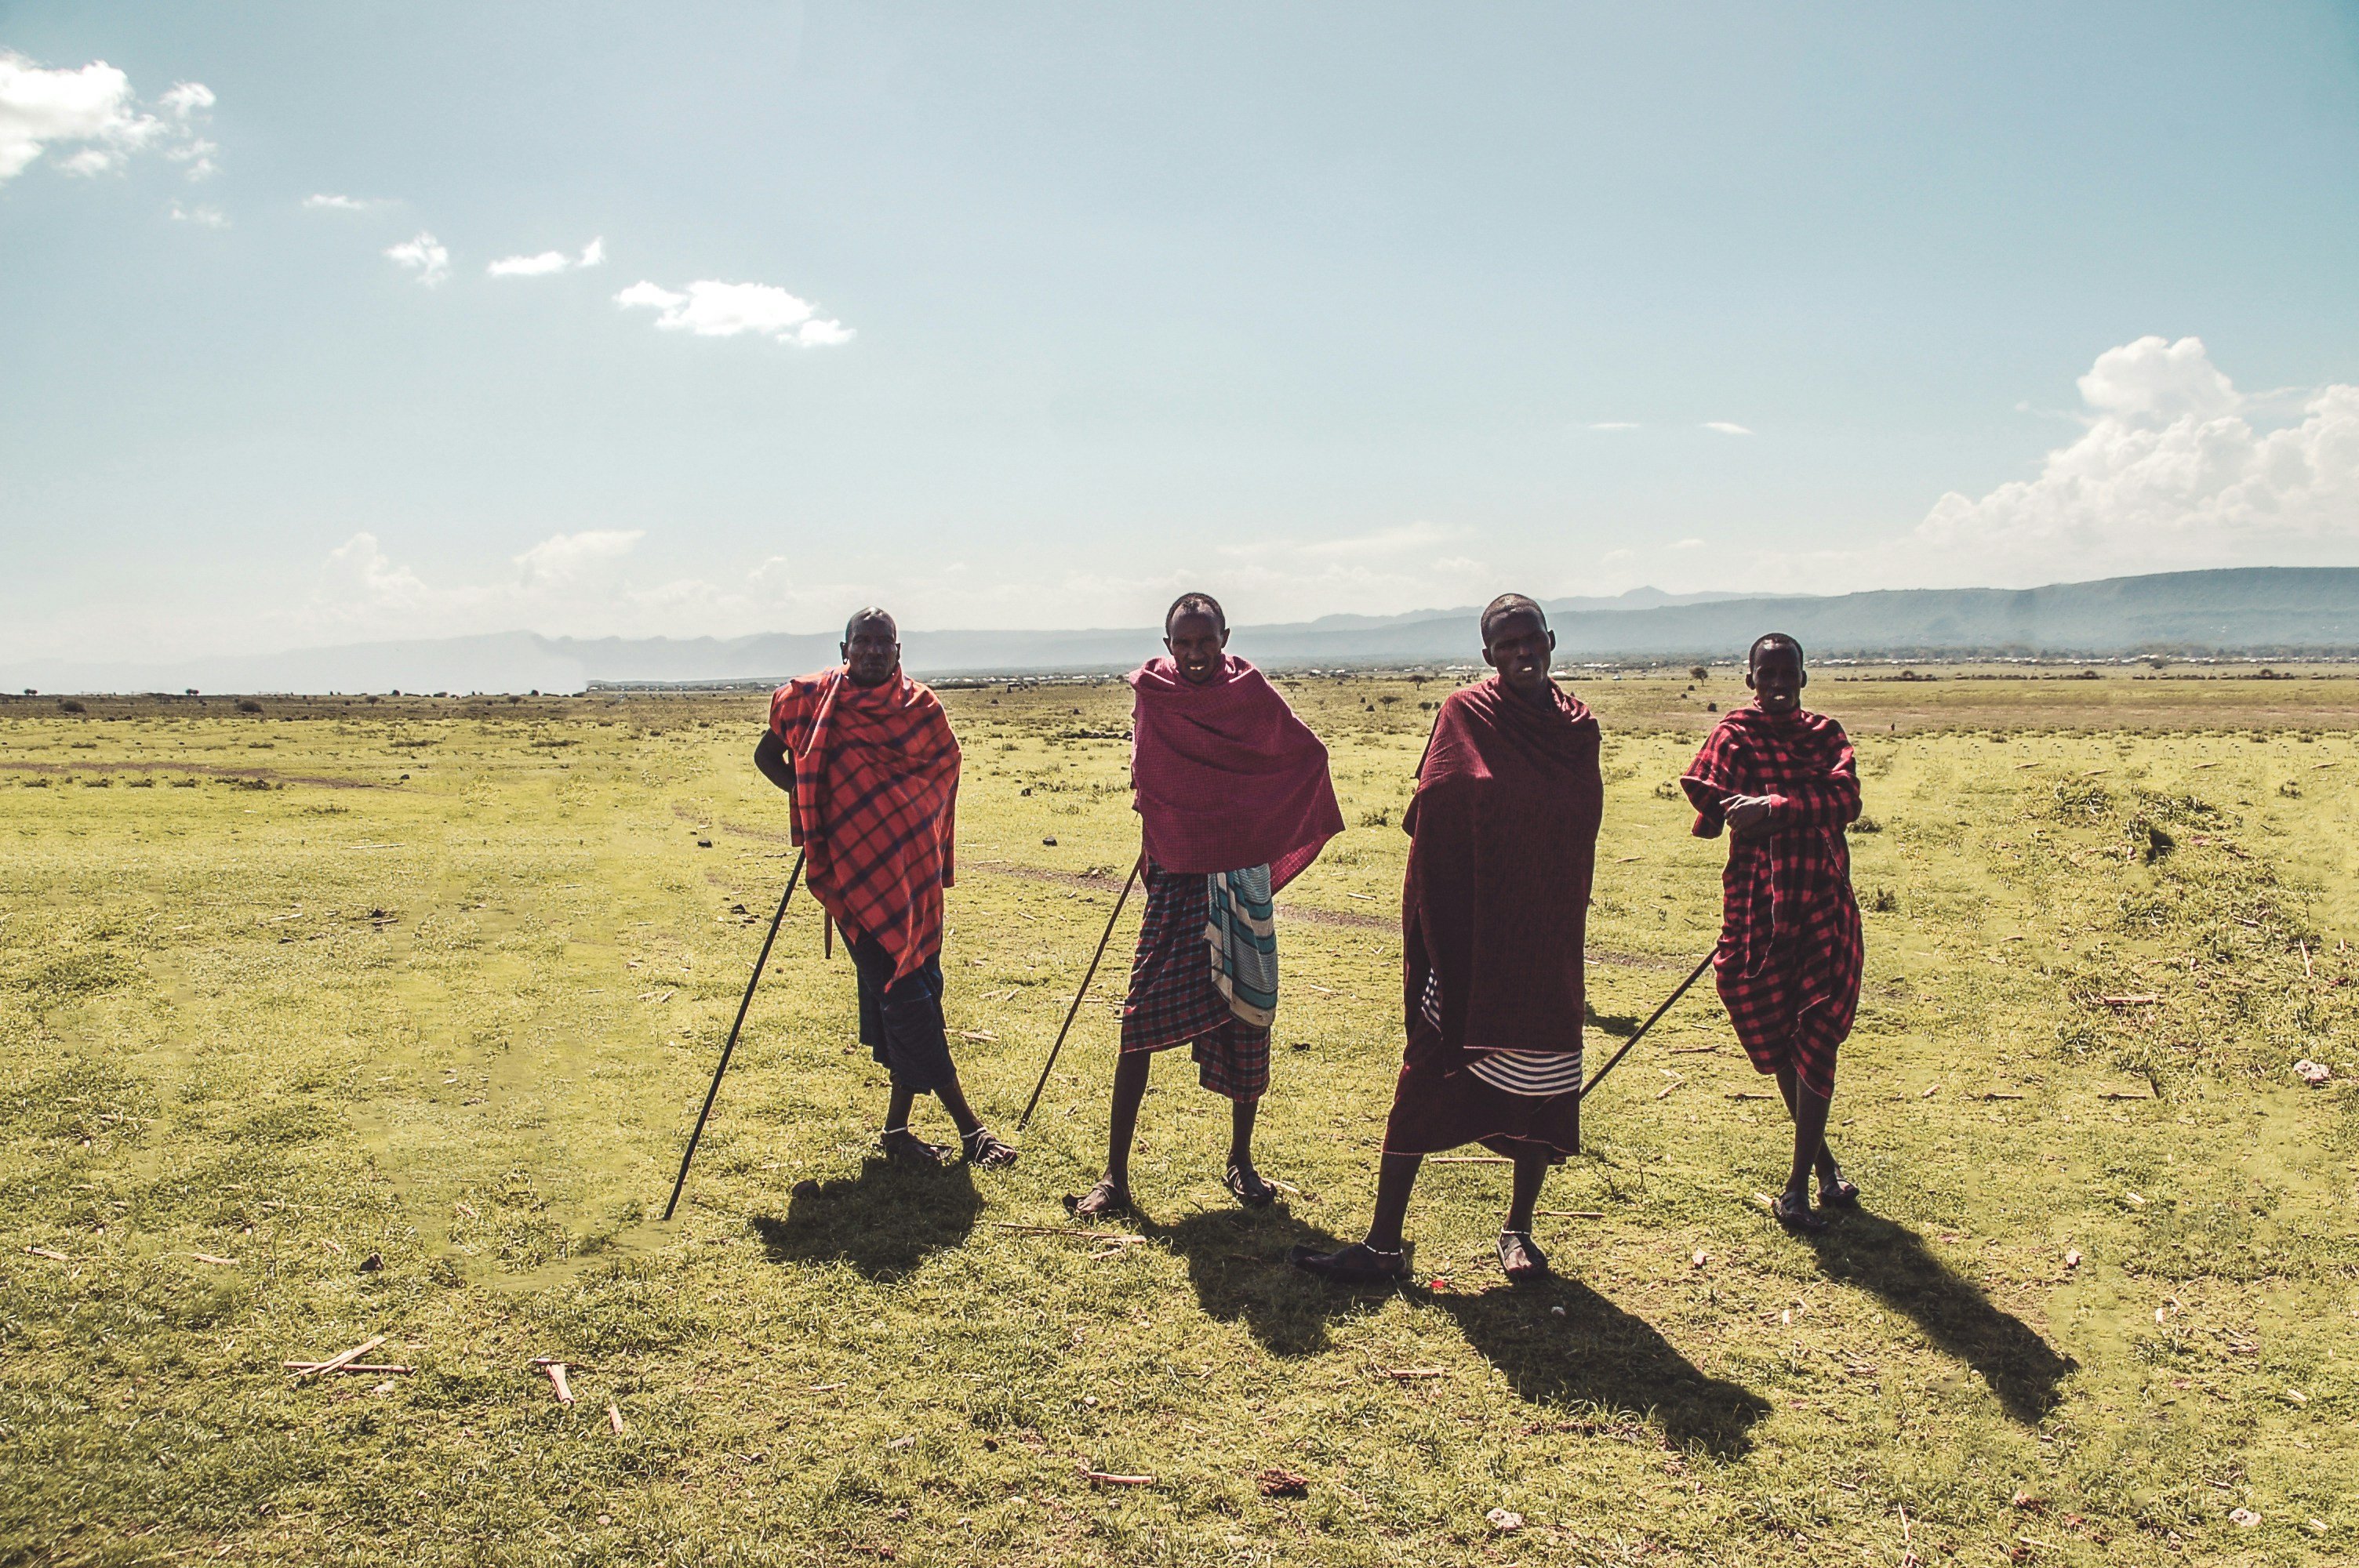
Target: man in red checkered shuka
867,758
1781,780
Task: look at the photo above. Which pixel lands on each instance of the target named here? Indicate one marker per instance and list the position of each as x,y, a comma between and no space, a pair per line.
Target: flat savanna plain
340,1018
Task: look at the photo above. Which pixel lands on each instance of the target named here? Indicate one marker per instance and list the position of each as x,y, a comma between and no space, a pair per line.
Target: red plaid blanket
875,798
1791,950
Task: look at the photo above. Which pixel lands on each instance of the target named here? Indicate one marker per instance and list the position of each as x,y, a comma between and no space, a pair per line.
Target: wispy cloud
549,262
1725,428
709,309
425,255
202,216
92,111
328,201
1614,425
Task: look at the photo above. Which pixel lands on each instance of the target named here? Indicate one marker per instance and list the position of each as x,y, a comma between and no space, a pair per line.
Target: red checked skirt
1173,1000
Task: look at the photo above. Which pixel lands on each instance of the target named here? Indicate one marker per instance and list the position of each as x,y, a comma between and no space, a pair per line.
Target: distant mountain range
2261,610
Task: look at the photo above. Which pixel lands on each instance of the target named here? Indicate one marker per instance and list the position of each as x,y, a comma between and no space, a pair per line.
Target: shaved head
1768,641
1203,604
868,617
1508,604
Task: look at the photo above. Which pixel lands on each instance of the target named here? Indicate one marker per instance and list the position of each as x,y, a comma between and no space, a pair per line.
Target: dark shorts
901,1021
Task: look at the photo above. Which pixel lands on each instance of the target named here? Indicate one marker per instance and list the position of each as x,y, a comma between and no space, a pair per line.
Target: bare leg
1241,1128
1808,1109
901,1145
1829,1173
1395,1178
1112,1193
953,1097
1531,1169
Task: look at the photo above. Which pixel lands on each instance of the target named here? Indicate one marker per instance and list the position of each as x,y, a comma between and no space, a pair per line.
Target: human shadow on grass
884,1222
1892,1262
1236,1262
1598,1359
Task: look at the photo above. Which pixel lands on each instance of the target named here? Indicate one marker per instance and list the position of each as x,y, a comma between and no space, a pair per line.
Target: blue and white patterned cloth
1239,928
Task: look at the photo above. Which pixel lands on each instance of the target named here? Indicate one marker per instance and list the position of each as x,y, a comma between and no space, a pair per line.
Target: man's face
1777,680
1196,642
872,651
1521,648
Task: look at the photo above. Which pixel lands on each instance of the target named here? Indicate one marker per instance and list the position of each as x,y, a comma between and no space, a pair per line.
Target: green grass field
345,1019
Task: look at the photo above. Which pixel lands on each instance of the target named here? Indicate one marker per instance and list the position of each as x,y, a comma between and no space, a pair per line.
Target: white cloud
204,217
92,111
1688,545
1725,428
566,557
357,575
530,266
326,202
711,309
548,262
2170,473
425,255
1614,425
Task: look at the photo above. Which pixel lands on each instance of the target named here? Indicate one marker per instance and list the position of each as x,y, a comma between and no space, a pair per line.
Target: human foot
1108,1199
1521,1257
903,1147
983,1150
1357,1264
1834,1192
1244,1184
1792,1209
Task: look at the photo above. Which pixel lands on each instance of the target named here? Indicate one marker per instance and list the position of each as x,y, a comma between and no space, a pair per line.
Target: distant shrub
67,705
1883,901
1868,824
2290,790
1376,817
247,705
1698,672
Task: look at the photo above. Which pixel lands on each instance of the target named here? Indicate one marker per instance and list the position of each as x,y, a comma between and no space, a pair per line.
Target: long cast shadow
884,1222
1598,1357
1236,1262
1892,1260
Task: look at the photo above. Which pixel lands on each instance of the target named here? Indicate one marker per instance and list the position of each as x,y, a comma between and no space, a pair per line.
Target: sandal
1536,1263
1358,1264
903,1147
1101,1201
983,1150
1796,1217
1244,1184
1840,1194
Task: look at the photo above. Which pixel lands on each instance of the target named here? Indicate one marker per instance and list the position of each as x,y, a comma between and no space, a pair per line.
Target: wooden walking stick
752,980
1069,1012
1693,975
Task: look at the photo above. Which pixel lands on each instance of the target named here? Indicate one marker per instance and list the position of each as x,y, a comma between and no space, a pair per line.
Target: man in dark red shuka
1503,841
866,756
1235,800
1783,782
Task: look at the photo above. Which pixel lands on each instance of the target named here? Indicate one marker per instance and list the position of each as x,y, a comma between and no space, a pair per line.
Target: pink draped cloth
1224,776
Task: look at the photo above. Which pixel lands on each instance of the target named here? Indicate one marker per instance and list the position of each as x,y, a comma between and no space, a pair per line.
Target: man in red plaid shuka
1782,780
867,758
1233,801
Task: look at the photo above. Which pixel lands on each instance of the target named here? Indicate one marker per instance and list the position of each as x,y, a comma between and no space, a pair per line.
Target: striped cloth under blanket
1239,929
1536,1075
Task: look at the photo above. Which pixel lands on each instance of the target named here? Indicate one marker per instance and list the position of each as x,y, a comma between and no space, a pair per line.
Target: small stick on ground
1065,1231
375,1368
1413,1374
1573,1212
614,1418
1468,1160
556,1370
337,1363
1104,1479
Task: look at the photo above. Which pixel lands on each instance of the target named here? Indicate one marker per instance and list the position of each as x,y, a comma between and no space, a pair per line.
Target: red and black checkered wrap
876,797
1172,997
1791,950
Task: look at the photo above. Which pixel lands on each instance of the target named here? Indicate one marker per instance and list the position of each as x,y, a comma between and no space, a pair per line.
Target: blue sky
1059,309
